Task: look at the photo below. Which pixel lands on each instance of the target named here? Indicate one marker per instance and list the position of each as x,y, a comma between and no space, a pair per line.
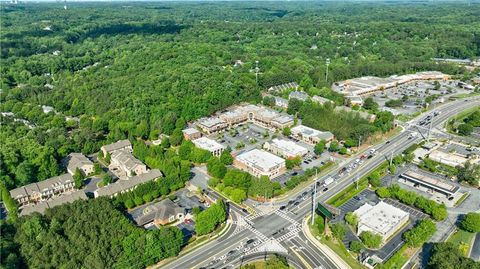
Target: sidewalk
332,256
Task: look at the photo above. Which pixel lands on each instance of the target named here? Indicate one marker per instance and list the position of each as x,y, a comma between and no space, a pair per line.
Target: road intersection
280,231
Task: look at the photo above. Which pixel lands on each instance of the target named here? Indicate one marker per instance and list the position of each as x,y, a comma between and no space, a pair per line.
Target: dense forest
109,71
85,234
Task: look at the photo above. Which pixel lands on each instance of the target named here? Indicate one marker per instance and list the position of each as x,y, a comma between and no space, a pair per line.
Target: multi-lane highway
280,231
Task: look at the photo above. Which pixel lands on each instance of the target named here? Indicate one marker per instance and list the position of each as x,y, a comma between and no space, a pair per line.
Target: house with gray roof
43,190
321,100
78,160
281,102
119,145
283,87
128,184
123,163
55,201
302,96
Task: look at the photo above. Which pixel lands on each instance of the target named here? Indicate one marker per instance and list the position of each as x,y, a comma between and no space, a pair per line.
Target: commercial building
40,191
126,185
123,163
382,219
429,182
211,125
367,85
208,144
191,134
240,114
302,96
119,145
309,135
55,201
78,160
285,148
260,163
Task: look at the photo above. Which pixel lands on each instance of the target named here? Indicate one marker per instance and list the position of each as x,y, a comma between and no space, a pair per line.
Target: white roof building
382,219
260,163
285,148
208,144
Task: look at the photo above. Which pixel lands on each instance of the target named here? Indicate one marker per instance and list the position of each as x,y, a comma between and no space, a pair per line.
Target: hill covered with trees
116,70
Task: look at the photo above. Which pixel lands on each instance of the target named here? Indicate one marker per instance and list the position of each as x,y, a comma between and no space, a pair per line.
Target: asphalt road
279,229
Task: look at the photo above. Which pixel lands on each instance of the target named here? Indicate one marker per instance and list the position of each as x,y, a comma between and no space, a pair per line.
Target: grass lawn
463,241
460,201
335,246
399,259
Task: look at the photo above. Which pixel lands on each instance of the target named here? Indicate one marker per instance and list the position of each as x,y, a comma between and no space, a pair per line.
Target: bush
147,198
338,230
370,239
383,192
418,235
129,203
471,222
356,246
138,200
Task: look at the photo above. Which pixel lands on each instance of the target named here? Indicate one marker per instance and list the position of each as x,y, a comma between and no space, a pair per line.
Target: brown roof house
160,213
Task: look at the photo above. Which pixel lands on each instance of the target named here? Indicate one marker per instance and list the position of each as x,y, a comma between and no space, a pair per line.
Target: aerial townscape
240,134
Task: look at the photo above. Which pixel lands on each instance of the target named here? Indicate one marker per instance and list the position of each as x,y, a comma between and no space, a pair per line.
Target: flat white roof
380,218
260,159
289,147
207,144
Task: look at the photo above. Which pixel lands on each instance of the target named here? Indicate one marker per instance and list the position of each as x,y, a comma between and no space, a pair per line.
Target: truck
328,181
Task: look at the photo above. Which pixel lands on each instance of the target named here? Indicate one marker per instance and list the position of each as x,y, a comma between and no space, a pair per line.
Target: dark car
282,207
388,142
244,210
250,241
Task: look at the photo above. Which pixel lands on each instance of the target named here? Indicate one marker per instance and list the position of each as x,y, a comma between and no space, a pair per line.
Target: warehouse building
211,145
382,219
260,163
285,148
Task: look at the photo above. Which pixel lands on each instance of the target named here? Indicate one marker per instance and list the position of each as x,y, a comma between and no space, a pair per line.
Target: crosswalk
243,223
285,216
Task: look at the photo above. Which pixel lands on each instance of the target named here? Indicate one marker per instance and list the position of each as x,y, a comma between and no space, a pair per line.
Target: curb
332,256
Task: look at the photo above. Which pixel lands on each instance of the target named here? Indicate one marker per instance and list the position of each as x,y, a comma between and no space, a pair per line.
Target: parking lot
416,93
250,135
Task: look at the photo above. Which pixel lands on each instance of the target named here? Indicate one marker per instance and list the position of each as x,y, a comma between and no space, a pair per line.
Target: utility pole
314,196
359,142
391,158
327,62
